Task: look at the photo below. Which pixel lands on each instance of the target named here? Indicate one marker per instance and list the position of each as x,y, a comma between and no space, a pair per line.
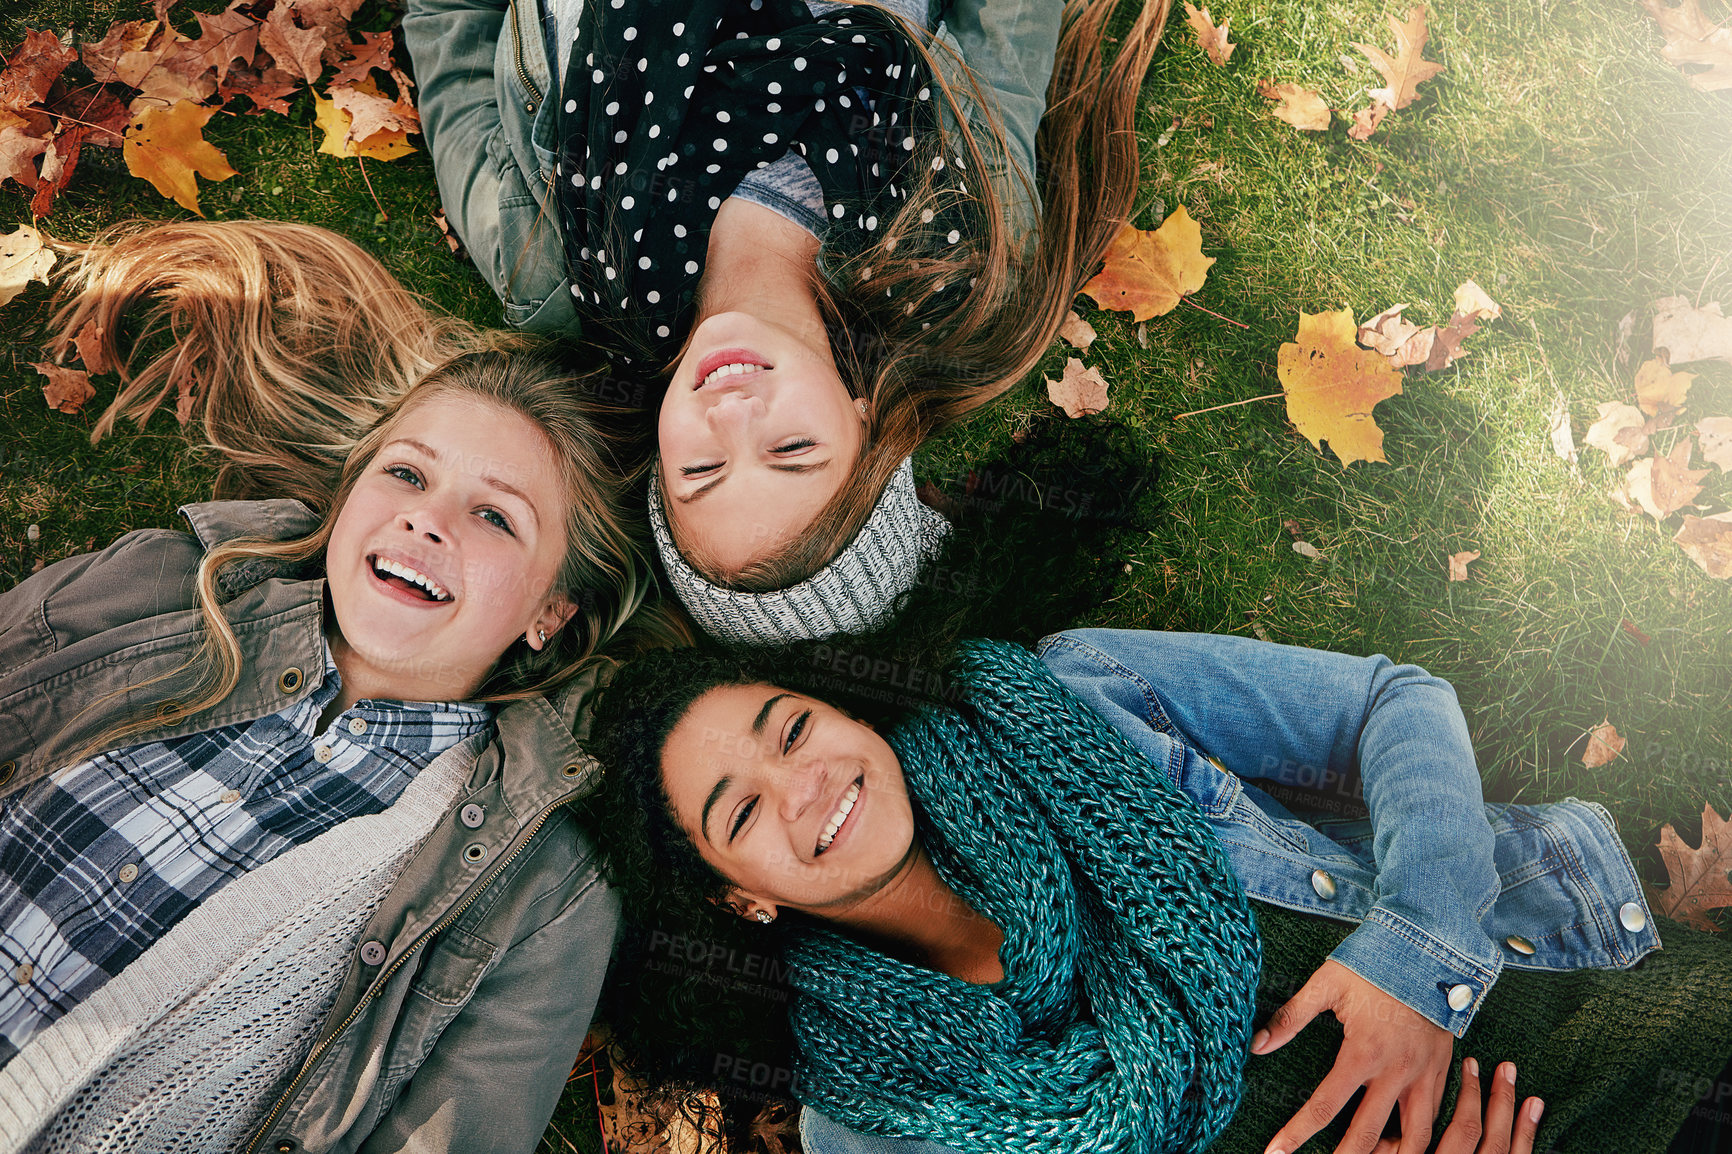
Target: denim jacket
1447,890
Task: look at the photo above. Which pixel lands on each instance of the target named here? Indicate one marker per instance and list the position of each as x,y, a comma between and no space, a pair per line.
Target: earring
541,636
765,917
861,405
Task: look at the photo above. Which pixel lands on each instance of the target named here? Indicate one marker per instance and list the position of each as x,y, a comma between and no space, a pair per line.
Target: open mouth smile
407,579
726,363
839,819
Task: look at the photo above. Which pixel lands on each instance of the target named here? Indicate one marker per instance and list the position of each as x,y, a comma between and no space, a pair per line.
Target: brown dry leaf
1446,350
1210,39
295,49
180,72
1714,435
1471,300
1658,387
1691,334
19,148
1663,485
1708,542
1562,435
1332,385
93,347
167,148
268,90
126,41
59,161
1397,338
1367,120
371,112
22,260
1458,563
1605,434
360,59
227,38
1076,332
1699,877
1080,392
1307,550
1604,745
1635,631
67,389
1407,69
1301,107
35,65
1692,40
1147,273
102,117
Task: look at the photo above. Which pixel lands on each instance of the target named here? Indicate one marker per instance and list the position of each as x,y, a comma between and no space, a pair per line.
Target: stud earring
765,917
541,636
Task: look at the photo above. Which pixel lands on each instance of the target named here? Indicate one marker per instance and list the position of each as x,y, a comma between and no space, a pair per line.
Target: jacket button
290,680
168,710
529,106
128,873
357,725
1633,917
1460,997
1519,944
7,769
285,1146
472,815
1323,884
372,953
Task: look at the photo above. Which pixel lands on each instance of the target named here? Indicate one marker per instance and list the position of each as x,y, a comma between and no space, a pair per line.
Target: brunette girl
1019,921
285,862
824,218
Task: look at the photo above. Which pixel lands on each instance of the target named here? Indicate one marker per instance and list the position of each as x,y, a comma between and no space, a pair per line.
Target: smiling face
445,552
757,432
791,800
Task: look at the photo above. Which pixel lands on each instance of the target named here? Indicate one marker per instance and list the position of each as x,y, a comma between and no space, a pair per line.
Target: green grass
1559,162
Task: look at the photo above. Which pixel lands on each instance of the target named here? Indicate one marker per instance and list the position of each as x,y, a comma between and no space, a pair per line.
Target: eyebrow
704,489
487,478
716,792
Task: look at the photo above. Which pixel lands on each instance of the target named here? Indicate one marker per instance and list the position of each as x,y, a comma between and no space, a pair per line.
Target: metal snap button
128,872
1633,917
570,771
372,953
286,1146
472,815
8,768
1460,997
474,852
357,725
168,710
290,680
1323,884
1519,944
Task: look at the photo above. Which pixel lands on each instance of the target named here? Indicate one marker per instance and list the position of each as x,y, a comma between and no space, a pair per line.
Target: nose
734,411
425,521
802,785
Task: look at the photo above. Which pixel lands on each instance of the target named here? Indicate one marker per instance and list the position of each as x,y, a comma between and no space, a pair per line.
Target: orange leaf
1300,107
1604,745
1663,485
1446,349
295,49
1210,38
1658,387
1148,272
1366,120
36,64
371,112
167,147
1080,392
1332,385
1407,69
1698,877
67,389
93,347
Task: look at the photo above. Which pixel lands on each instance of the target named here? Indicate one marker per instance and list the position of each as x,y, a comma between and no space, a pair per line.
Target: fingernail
1508,1071
1535,1109
1471,1066
1258,1041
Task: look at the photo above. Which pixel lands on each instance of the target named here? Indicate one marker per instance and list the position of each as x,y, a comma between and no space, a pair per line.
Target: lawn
1559,161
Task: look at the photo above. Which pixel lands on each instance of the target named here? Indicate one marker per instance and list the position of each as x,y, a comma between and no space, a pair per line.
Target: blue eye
405,473
497,519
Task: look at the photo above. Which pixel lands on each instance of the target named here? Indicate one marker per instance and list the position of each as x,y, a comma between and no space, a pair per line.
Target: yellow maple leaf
1301,107
386,144
166,146
1407,69
1658,387
1332,385
1147,272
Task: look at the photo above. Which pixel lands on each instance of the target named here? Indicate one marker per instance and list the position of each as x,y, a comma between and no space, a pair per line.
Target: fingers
1504,1130
1500,1111
1527,1125
1292,1017
1419,1112
1331,1095
1462,1136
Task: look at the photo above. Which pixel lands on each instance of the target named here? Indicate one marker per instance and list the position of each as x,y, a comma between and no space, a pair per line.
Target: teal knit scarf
1130,954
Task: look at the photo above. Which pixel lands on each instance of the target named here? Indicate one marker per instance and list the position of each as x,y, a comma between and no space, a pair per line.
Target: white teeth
413,576
841,815
734,369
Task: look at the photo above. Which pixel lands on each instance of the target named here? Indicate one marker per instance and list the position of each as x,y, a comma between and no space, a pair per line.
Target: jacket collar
215,522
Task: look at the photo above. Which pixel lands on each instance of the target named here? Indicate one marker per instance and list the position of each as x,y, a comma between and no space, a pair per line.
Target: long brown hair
923,368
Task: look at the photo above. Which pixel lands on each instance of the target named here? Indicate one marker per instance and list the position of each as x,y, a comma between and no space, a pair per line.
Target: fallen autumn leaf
1332,385
1604,745
1080,392
1147,273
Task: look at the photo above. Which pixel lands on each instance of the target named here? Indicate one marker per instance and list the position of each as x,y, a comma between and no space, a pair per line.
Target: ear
558,610
742,904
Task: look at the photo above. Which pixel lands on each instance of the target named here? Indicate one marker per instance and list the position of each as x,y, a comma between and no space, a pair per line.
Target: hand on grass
1503,1131
1396,1053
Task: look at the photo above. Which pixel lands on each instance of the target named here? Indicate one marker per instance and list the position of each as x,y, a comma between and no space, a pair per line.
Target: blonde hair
306,354
924,364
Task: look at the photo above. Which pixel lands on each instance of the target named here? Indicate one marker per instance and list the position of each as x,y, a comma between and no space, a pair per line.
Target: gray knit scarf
1131,957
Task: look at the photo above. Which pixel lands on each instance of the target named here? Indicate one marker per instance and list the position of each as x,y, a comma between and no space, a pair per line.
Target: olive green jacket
470,990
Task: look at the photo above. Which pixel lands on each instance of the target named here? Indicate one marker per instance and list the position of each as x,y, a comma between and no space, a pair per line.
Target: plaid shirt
99,861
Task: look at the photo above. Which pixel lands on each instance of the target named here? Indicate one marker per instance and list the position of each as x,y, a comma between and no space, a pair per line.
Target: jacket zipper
523,77
380,982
